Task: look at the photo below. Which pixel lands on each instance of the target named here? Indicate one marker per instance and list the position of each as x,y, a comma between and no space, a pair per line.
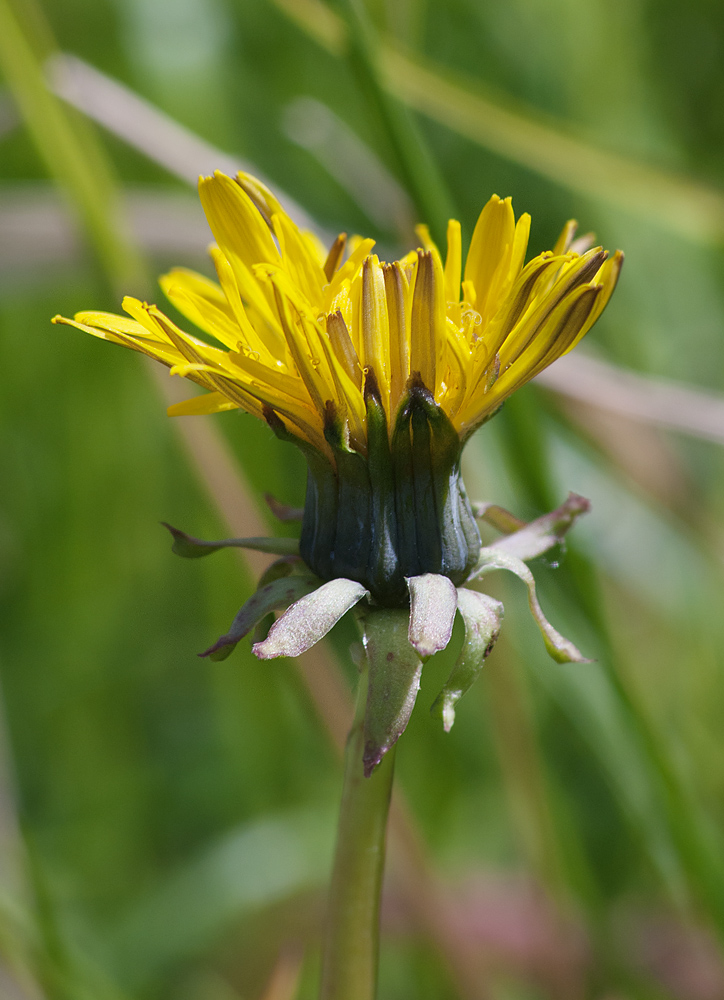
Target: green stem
351,947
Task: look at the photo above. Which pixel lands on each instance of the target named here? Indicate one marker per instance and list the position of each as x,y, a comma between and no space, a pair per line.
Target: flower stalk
351,945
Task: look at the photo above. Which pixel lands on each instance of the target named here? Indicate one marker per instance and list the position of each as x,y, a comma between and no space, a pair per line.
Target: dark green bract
397,512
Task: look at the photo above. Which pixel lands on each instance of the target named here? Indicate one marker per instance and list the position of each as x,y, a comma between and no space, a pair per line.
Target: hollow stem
351,946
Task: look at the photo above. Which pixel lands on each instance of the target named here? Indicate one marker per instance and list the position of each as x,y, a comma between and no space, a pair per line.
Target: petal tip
262,652
443,708
433,602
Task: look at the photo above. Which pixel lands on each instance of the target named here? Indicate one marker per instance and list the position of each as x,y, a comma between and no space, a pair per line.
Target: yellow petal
350,268
185,368
112,322
453,261
563,243
209,364
428,321
347,386
399,311
553,339
518,303
308,367
264,334
210,402
490,250
265,202
607,278
423,233
315,248
161,328
235,221
304,268
571,275
520,245
457,365
374,325
343,347
334,257
204,303
103,332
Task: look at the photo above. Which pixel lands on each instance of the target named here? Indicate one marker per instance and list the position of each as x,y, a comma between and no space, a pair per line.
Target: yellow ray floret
296,328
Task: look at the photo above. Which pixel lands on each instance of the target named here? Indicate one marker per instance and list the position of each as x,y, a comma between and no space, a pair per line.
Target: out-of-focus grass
177,814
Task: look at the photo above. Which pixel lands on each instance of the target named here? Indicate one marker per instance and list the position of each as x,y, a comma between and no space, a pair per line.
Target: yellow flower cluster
296,327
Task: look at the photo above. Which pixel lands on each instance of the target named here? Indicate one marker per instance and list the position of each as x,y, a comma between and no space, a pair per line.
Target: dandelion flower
379,372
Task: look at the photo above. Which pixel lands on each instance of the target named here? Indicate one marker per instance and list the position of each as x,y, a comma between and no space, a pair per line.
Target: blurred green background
166,823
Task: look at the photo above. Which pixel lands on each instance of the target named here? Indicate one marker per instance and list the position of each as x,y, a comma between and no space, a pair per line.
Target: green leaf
194,548
279,593
394,680
542,534
483,616
562,650
310,618
433,601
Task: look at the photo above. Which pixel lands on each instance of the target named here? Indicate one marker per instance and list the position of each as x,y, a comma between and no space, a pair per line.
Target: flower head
379,372
297,328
